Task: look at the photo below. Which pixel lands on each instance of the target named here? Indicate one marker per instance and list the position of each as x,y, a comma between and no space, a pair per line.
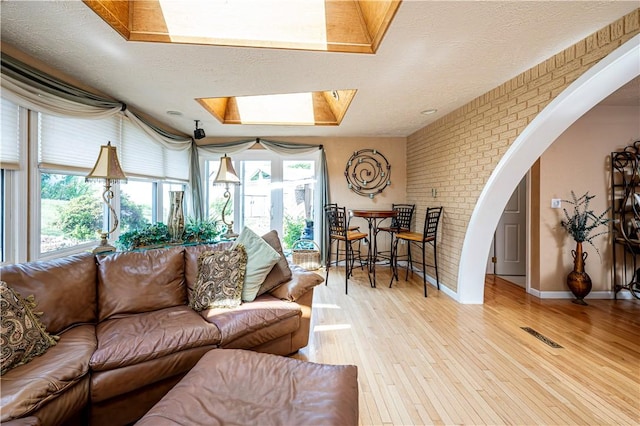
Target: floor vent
542,338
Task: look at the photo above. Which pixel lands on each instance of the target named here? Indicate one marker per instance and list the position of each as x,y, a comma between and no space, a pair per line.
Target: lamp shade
107,166
226,173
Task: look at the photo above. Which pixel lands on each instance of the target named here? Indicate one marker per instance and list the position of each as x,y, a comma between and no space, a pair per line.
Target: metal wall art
368,173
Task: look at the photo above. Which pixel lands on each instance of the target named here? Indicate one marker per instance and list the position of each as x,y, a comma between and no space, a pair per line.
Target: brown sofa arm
300,283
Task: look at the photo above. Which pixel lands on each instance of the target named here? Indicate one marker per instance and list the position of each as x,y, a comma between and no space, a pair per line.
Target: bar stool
351,227
400,223
428,236
338,223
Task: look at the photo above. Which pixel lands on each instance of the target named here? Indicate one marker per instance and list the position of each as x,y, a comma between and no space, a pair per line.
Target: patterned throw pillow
220,279
23,335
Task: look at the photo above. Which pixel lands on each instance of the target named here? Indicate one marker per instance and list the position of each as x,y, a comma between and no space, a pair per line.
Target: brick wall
456,154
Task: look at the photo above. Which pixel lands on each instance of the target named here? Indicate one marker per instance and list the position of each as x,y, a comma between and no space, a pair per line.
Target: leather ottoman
233,386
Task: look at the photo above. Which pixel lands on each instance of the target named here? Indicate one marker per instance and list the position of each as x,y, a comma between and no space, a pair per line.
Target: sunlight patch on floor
331,327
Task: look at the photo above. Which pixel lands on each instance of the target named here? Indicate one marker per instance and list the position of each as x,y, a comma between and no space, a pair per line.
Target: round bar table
372,217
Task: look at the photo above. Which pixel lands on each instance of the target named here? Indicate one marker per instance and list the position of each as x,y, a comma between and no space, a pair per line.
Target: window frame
277,161
15,202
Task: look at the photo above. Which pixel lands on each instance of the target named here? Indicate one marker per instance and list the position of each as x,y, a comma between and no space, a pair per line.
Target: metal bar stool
338,223
428,236
400,223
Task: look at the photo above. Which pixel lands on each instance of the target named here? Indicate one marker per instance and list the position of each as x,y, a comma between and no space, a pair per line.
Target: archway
604,78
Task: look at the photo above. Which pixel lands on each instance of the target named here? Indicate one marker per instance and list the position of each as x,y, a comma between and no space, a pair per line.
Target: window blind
10,136
144,157
177,165
140,155
72,143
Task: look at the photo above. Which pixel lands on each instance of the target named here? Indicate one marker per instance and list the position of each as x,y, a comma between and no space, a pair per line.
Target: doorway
277,193
605,77
509,253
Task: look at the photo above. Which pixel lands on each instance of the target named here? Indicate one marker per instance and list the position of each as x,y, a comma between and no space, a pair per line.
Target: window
67,213
71,211
275,193
13,182
62,213
136,204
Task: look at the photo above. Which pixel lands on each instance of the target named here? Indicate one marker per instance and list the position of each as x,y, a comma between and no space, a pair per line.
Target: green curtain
43,81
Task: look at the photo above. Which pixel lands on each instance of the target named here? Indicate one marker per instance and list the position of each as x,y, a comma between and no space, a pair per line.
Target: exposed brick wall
456,154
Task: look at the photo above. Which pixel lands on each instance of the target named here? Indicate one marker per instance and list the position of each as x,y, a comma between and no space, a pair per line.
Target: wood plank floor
434,361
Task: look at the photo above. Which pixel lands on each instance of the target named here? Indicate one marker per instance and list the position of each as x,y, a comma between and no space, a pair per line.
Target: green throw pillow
220,279
261,258
23,335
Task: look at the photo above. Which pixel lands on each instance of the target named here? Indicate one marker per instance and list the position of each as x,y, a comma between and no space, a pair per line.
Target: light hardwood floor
434,361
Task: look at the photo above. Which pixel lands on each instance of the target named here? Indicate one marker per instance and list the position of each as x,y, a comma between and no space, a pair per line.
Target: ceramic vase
175,222
578,280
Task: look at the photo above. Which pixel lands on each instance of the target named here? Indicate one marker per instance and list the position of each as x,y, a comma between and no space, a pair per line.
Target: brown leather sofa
127,335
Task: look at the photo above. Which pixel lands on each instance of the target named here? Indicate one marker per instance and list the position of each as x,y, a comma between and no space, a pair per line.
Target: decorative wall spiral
368,172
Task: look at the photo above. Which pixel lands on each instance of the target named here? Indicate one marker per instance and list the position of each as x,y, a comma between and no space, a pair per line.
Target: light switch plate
556,203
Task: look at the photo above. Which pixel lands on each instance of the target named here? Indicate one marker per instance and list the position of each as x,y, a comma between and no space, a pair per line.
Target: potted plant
582,225
147,236
201,230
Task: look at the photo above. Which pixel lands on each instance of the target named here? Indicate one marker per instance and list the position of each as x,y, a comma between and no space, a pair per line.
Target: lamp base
230,235
104,246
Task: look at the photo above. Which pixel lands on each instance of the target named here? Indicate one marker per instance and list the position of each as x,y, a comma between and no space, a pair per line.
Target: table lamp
107,168
227,175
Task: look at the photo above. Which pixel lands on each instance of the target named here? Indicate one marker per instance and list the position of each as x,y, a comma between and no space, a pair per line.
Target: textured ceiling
435,55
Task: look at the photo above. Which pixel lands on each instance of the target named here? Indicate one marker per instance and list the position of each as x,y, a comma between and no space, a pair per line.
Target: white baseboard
623,294
534,292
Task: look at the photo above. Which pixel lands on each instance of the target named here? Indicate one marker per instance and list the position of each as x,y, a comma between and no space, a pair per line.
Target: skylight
309,108
247,21
294,108
354,26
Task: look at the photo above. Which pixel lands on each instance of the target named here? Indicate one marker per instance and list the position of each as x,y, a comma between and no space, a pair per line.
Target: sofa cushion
141,337
220,279
191,255
261,258
68,282
134,282
30,386
280,272
301,282
247,388
23,336
115,383
248,318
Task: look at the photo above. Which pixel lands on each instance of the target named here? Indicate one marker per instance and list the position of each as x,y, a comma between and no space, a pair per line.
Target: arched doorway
608,75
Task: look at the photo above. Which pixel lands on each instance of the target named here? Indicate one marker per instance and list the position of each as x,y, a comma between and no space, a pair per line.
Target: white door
510,237
275,192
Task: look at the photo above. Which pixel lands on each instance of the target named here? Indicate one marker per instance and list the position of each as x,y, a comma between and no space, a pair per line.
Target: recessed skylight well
308,108
355,26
